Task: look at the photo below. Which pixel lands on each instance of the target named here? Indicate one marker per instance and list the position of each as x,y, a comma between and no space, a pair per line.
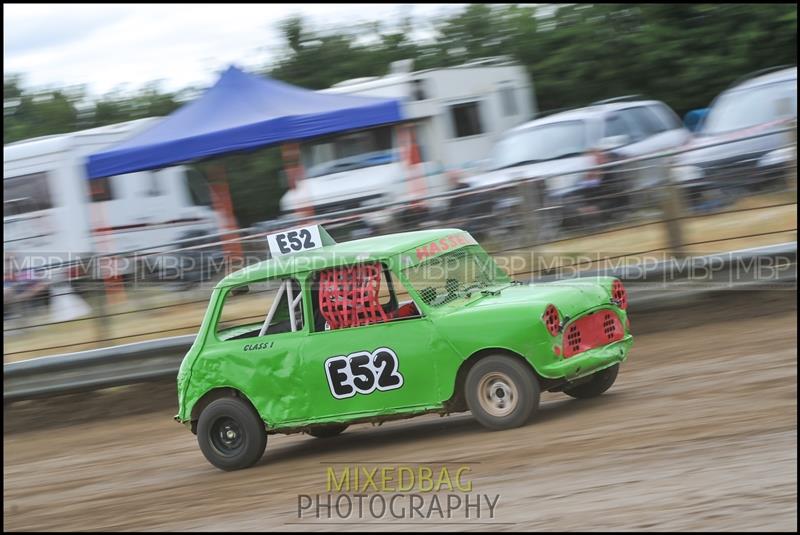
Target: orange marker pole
417,187
223,206
293,166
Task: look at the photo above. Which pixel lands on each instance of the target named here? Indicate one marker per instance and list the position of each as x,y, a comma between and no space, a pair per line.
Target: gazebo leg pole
293,167
223,206
417,188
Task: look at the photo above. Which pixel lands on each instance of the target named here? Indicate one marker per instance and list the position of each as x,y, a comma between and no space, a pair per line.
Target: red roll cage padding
619,294
348,296
551,319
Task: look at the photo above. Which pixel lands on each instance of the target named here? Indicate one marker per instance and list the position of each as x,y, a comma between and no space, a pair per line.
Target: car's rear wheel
502,392
599,383
327,431
230,434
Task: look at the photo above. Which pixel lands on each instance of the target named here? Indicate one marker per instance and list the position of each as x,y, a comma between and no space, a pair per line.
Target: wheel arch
458,402
212,395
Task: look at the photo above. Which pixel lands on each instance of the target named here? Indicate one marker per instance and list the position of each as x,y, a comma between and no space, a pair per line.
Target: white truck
52,211
457,113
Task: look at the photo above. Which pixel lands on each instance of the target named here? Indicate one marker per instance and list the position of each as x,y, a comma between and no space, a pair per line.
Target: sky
124,46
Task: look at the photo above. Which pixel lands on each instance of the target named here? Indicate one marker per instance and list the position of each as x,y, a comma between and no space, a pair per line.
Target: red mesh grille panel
348,296
594,330
619,294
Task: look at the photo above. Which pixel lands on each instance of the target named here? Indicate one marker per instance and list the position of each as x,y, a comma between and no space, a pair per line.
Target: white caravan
51,208
458,113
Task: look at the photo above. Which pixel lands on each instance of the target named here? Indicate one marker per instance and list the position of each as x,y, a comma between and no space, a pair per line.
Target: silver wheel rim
497,394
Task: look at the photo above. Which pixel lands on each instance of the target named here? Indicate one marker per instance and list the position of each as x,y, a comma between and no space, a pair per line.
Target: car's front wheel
502,392
596,385
230,434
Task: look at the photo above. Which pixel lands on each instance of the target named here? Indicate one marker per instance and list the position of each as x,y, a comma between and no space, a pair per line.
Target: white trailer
51,208
457,114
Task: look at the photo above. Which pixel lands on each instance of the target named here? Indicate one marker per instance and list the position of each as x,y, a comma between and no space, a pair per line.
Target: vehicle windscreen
346,152
540,143
749,107
455,275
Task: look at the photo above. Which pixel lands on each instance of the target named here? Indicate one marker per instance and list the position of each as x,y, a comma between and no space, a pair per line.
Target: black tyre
502,392
599,383
230,434
327,431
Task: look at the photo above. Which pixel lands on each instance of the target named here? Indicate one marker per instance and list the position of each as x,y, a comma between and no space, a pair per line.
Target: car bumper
589,361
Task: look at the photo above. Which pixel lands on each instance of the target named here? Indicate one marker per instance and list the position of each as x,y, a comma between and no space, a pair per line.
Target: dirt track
699,433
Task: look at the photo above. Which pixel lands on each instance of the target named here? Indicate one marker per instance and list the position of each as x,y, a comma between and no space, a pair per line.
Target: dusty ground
699,433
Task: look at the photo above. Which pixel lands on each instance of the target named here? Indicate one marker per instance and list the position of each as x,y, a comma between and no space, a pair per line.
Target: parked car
740,148
563,148
326,335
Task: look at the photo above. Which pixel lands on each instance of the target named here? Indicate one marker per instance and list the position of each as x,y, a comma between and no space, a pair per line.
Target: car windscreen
349,151
456,274
540,143
749,107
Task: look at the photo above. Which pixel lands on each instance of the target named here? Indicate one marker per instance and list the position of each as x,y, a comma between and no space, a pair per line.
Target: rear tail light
552,320
619,294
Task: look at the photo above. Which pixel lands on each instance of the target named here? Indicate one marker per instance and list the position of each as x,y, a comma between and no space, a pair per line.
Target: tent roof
241,111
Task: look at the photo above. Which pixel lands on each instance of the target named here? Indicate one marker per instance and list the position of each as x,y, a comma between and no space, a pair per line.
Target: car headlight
776,157
687,173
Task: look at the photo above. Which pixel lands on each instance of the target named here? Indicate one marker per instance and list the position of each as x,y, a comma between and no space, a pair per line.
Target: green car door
373,369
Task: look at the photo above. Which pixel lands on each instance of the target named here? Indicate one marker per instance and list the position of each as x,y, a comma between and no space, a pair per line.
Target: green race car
324,335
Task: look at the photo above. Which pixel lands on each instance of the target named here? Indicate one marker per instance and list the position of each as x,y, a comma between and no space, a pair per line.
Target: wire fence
667,195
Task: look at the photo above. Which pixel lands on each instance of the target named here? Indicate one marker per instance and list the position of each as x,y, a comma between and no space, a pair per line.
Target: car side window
638,130
261,308
357,296
615,126
667,117
648,120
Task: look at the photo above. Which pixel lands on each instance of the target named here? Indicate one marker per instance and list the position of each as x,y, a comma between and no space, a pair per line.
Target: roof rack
759,72
624,98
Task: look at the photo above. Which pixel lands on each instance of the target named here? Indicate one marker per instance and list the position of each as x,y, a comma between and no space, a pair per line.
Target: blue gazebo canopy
241,111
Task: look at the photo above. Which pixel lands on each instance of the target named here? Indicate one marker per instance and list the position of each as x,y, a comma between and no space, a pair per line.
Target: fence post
102,322
530,192
673,210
